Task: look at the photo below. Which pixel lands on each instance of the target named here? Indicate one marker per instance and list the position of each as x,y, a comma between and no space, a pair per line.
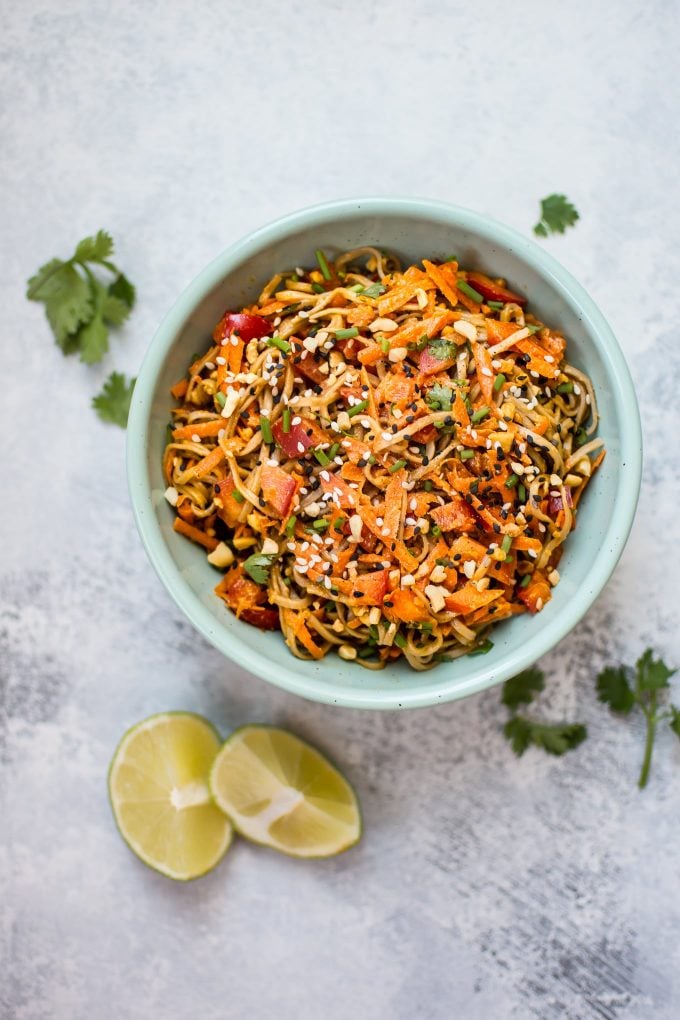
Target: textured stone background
486,888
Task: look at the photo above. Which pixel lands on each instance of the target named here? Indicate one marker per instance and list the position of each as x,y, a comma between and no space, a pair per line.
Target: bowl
413,229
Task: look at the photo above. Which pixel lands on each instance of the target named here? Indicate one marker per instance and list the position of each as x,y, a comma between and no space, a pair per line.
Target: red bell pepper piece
278,488
291,441
430,364
555,503
248,327
493,291
265,619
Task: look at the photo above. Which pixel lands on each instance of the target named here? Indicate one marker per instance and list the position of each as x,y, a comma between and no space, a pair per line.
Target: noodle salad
382,462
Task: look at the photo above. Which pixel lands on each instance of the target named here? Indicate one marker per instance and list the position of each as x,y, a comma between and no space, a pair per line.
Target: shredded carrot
209,542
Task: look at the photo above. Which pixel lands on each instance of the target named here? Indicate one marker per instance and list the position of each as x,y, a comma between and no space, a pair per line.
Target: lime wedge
280,792
158,785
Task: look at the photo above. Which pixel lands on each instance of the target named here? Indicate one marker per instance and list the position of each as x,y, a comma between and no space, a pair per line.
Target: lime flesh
158,785
280,792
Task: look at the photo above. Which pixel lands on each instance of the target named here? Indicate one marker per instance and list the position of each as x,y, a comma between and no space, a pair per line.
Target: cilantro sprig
80,307
113,403
557,213
439,397
523,731
623,689
258,566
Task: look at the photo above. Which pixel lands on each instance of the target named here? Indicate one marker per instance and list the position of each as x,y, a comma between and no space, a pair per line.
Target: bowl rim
317,688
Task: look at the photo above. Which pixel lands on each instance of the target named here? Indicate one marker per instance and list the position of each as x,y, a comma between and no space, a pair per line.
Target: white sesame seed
385,532
300,447
220,360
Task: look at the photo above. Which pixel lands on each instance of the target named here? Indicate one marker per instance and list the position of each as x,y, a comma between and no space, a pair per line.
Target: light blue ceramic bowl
414,229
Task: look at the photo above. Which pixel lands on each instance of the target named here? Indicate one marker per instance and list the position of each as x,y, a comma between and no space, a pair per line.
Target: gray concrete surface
486,888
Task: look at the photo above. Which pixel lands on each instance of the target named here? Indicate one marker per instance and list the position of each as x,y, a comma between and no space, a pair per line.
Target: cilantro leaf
94,249
556,739
675,720
614,690
122,289
652,675
440,398
518,732
520,689
114,310
77,304
651,680
68,303
442,349
375,290
258,566
113,403
557,213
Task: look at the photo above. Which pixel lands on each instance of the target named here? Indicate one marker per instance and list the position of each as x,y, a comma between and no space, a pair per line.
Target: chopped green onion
276,341
512,481
580,437
318,288
565,387
470,291
367,651
346,334
498,305
506,544
290,526
526,581
286,419
384,344
266,429
371,459
399,640
357,408
498,382
238,496
322,458
338,523
522,493
480,415
323,265
482,649
321,524
427,627
534,329
451,258
333,450
373,631
397,466
375,290
427,485
436,530
466,454
357,288
220,399
441,561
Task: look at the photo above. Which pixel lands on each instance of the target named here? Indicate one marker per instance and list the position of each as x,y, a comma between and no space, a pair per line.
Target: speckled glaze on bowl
413,229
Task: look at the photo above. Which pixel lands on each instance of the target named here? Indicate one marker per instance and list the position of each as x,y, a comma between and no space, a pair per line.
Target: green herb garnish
266,429
466,454
323,265
322,457
79,306
522,732
557,213
258,566
346,334
397,466
440,398
276,341
285,422
357,408
220,399
480,415
497,305
113,403
465,287
374,291
624,690
498,382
